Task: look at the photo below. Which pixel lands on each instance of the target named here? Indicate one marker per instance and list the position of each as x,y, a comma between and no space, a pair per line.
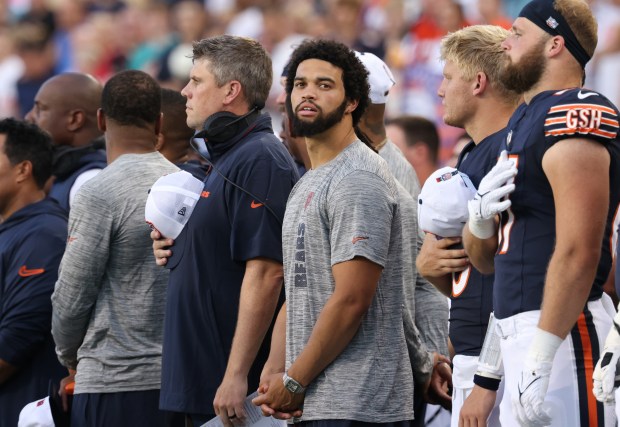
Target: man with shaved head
66,107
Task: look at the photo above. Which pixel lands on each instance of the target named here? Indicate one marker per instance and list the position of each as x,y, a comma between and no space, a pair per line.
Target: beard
523,75
320,124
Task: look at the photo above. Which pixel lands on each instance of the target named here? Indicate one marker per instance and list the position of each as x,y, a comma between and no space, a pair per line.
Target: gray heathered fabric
401,168
420,358
431,307
431,314
108,304
347,208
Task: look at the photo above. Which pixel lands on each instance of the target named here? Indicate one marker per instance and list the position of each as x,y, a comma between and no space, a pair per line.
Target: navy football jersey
472,291
527,231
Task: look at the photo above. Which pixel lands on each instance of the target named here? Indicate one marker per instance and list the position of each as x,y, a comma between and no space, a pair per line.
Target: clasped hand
276,401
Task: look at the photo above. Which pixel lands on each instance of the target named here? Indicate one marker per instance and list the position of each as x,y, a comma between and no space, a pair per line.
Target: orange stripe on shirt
609,122
558,120
566,131
555,121
588,365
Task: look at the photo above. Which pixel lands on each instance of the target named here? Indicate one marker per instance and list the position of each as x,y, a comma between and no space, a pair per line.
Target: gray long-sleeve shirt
108,303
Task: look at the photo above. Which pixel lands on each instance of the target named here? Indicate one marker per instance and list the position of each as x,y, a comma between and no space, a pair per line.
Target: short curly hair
354,73
132,98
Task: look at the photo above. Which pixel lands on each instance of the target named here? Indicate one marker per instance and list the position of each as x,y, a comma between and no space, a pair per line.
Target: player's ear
23,171
159,142
101,120
479,83
555,45
351,106
75,120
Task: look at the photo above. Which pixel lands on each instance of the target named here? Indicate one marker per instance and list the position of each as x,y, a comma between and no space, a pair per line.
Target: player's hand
477,407
263,388
606,374
160,247
268,370
487,202
66,389
276,401
528,400
229,400
436,259
440,383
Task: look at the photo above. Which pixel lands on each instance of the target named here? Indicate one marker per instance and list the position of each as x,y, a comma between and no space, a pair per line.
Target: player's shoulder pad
581,112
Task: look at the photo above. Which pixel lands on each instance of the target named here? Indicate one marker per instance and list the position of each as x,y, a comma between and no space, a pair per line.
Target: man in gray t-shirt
345,358
108,303
345,210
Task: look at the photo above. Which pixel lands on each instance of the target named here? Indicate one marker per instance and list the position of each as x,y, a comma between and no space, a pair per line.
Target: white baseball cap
380,78
442,203
36,414
171,202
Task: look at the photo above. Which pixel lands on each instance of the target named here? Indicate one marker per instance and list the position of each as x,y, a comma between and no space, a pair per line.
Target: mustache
298,107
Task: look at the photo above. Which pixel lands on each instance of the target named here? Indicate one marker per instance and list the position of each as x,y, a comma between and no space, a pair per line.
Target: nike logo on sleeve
26,272
255,205
581,95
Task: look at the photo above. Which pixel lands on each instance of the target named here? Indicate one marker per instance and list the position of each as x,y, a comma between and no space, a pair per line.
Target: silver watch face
291,386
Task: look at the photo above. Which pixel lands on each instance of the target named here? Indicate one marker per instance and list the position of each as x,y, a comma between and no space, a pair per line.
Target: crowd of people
164,255
40,38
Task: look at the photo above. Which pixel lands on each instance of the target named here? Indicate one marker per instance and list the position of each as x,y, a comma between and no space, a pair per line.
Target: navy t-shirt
228,227
527,232
472,291
32,242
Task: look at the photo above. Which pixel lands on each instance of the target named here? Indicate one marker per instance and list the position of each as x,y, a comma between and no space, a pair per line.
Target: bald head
77,90
66,107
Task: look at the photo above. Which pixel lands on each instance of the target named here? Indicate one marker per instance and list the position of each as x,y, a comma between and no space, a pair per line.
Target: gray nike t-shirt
344,209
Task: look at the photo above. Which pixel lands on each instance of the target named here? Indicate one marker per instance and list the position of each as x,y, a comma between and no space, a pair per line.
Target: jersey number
506,226
459,281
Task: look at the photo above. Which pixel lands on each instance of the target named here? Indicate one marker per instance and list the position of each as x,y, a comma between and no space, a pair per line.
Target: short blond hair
478,48
581,21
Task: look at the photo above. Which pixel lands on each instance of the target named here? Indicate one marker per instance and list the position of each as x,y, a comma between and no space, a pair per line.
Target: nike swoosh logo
525,389
25,272
585,95
255,205
357,239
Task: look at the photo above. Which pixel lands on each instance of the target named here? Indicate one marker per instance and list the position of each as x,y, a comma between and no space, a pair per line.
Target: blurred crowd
42,38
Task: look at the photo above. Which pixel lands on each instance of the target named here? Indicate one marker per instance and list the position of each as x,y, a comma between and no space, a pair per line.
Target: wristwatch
293,386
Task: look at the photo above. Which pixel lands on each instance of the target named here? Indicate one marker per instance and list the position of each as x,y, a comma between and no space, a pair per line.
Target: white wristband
544,346
482,228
